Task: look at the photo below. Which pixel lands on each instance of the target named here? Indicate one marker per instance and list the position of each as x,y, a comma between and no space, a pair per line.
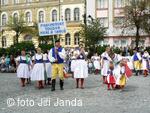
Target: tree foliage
92,33
135,17
19,26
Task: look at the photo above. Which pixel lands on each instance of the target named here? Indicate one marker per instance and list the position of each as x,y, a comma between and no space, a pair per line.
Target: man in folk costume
145,63
80,68
56,56
105,60
23,67
137,61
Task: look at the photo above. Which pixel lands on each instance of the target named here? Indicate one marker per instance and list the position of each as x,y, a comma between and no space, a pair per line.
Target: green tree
92,33
19,26
134,17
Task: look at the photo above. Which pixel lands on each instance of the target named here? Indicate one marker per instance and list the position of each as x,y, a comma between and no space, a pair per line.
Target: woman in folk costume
137,61
73,61
48,68
105,60
80,69
115,58
23,67
145,63
38,69
111,80
96,62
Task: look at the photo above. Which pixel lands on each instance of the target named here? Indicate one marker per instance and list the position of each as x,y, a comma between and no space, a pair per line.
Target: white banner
52,28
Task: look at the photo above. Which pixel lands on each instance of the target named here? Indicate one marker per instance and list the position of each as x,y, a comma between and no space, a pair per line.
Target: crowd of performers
45,67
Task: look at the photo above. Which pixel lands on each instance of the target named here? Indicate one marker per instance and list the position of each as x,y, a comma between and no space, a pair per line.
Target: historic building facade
111,15
42,11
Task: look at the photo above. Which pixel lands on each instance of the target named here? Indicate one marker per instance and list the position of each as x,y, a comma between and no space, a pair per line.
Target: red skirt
111,80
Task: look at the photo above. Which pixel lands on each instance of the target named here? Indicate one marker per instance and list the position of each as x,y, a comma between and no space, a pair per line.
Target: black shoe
61,85
53,85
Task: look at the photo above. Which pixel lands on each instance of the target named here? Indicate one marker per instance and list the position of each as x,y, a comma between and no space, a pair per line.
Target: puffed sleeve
33,57
17,59
62,54
139,56
50,56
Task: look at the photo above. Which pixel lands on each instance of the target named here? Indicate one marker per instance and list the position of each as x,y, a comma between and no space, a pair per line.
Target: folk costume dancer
111,80
48,69
105,60
145,63
38,69
81,68
23,67
96,62
56,56
136,58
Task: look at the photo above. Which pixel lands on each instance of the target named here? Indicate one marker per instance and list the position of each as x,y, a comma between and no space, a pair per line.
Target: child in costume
111,80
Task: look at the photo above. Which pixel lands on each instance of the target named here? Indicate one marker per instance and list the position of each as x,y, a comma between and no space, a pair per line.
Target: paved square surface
93,99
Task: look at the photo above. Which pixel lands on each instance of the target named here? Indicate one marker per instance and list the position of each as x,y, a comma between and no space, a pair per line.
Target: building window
102,4
28,17
119,3
67,14
104,21
28,1
28,38
4,19
76,14
67,39
4,41
119,21
16,1
41,16
116,43
76,39
15,17
4,2
54,15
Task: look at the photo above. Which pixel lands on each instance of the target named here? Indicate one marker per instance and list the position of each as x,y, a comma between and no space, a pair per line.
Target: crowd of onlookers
7,63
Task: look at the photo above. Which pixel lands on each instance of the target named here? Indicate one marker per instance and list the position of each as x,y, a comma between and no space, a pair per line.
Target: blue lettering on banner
53,28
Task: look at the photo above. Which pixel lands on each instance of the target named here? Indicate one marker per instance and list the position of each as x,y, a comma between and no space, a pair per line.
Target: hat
58,40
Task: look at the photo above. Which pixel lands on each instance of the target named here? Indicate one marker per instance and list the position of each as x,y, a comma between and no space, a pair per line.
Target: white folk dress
48,67
106,61
23,68
96,62
80,67
38,68
129,62
145,61
118,73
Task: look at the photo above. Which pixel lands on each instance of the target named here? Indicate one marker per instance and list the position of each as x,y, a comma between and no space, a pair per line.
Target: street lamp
85,8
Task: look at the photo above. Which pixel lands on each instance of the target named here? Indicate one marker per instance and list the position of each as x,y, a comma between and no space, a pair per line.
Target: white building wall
91,10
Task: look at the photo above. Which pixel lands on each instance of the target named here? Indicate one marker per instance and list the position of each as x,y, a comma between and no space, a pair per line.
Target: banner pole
54,40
